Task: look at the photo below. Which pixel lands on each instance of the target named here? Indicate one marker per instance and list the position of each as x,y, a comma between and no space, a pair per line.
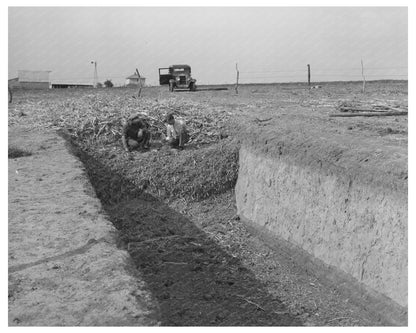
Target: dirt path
64,266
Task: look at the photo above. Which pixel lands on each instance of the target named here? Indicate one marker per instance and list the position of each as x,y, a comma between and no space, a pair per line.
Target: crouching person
135,133
177,134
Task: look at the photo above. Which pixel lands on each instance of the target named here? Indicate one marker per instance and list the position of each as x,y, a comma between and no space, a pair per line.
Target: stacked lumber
369,109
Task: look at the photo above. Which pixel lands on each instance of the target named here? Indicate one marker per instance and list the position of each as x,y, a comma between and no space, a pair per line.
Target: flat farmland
206,268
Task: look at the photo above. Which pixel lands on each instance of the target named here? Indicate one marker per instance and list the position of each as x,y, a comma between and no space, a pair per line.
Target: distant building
133,80
30,80
14,83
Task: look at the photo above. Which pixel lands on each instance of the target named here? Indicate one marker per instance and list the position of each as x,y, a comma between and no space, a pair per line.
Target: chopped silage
209,164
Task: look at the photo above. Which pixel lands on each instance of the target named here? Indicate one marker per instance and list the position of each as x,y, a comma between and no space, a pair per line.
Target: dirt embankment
342,199
64,266
334,189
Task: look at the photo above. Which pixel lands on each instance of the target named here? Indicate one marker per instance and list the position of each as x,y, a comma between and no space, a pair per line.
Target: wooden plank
369,114
361,110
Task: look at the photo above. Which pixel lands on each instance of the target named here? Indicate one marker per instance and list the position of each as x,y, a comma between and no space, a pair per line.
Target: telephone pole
95,74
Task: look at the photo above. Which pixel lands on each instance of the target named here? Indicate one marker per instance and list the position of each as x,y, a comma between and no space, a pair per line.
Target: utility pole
309,75
95,74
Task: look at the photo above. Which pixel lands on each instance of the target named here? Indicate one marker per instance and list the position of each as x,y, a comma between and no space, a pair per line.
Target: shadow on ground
195,282
200,89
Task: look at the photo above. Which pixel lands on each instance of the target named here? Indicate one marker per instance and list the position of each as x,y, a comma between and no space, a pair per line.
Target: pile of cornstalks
99,116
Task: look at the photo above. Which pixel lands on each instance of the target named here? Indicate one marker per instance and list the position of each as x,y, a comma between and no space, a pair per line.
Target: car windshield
180,70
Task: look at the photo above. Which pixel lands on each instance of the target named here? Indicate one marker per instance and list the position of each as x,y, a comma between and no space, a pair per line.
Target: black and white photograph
217,164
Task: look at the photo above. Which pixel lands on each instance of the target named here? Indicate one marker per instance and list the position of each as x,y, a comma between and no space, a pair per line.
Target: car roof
180,66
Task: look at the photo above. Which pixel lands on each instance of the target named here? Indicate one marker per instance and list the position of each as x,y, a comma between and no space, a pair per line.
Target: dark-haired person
177,133
135,133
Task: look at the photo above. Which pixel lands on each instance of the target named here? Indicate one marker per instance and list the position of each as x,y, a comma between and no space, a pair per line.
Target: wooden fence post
238,75
140,83
362,73
309,75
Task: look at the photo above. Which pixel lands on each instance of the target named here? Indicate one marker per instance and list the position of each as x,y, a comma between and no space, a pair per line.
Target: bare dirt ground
201,264
64,265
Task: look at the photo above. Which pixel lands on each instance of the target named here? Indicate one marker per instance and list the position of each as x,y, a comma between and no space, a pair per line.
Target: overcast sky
270,44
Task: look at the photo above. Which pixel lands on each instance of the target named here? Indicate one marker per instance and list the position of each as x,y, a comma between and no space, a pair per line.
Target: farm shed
31,80
133,80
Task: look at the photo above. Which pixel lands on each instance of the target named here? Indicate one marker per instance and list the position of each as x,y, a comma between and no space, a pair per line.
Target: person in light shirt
177,134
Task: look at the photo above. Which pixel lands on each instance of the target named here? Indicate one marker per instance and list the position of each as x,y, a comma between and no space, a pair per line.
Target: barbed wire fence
308,74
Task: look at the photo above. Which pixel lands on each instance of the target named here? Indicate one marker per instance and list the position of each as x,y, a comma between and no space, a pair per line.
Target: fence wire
275,75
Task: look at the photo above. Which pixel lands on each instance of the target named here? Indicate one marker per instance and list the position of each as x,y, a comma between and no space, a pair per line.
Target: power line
324,69
323,75
260,77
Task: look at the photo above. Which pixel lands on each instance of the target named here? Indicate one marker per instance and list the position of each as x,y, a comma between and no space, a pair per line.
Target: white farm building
30,80
133,80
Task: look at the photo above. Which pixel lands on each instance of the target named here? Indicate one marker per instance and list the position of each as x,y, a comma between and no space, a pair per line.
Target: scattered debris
369,109
376,106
